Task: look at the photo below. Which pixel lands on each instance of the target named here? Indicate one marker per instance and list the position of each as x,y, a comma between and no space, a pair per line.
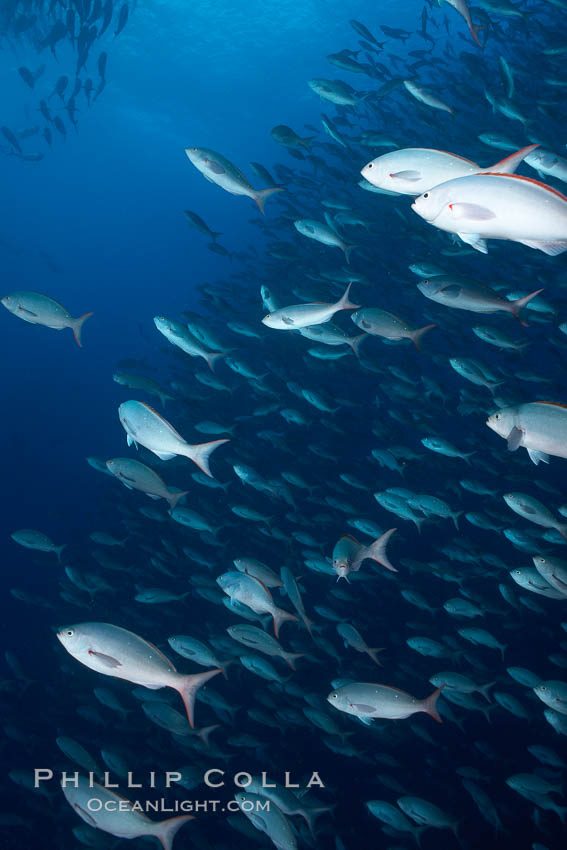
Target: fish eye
425,196
333,696
370,165
70,632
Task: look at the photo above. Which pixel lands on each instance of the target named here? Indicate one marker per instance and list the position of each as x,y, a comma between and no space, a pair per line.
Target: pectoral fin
216,167
287,321
515,439
107,660
411,176
471,212
362,708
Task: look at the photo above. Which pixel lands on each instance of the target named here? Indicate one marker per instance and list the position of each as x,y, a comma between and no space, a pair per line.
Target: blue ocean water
94,219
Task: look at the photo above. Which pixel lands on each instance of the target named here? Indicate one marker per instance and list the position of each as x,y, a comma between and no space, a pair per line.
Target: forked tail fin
261,195
166,830
201,452
77,327
377,550
509,164
188,687
417,335
430,704
280,616
520,303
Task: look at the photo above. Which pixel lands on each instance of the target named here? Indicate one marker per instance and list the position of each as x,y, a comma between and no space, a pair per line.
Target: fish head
375,172
344,553
341,569
73,639
430,204
195,155
502,421
339,700
429,287
9,302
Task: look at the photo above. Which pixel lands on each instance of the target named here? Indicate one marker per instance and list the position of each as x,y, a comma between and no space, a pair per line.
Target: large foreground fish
538,426
498,206
412,171
217,169
116,652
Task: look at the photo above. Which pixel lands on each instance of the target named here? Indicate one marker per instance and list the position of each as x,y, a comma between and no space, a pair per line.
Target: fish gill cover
289,488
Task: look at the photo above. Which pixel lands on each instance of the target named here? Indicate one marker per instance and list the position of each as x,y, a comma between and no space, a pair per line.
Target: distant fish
41,310
219,170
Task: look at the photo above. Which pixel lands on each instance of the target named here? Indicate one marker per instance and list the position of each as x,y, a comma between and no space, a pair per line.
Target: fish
540,427
118,816
378,322
462,293
38,309
137,476
324,233
288,138
29,538
412,171
145,427
498,206
116,652
178,334
217,169
371,701
349,554
307,315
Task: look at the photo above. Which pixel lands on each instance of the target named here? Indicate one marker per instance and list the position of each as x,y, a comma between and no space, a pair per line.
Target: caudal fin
175,497
373,652
188,687
166,830
58,551
348,249
215,235
377,550
418,334
306,142
201,453
261,195
291,657
280,616
77,327
205,732
212,359
355,342
509,164
455,517
429,705
520,303
344,303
